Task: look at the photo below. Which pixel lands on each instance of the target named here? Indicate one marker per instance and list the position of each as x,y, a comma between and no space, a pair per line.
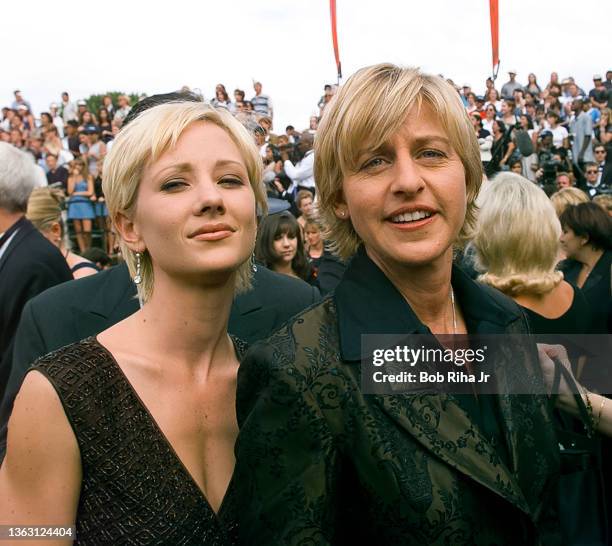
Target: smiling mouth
410,217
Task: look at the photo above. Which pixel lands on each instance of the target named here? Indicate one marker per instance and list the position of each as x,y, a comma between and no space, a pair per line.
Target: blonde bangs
146,139
365,113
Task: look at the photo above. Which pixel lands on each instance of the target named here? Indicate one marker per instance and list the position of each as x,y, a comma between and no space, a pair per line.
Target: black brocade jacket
320,463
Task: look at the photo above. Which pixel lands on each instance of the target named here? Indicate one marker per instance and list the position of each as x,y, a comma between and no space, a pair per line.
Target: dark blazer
596,290
29,265
318,462
85,307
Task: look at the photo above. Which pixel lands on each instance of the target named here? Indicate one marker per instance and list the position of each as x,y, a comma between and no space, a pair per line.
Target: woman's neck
427,289
589,256
315,251
188,322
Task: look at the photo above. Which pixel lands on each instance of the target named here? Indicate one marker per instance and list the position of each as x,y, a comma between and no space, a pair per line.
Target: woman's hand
548,354
279,186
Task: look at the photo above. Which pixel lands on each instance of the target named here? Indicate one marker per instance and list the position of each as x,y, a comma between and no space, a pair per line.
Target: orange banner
332,9
494,10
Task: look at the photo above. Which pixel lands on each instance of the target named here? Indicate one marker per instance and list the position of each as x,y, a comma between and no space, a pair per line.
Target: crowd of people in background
557,135
536,213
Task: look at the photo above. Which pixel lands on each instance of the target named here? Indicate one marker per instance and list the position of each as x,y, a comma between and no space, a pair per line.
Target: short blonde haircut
604,200
567,196
365,113
517,237
146,139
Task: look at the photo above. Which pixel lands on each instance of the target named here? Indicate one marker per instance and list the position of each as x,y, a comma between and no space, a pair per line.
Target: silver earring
138,276
253,263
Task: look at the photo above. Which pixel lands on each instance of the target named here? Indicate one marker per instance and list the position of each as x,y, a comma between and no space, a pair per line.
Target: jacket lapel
23,228
443,428
114,301
368,303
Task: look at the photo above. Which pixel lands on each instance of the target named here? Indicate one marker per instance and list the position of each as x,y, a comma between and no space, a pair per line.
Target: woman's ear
56,231
128,231
340,207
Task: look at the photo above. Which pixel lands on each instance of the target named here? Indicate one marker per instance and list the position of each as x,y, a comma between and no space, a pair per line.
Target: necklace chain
452,298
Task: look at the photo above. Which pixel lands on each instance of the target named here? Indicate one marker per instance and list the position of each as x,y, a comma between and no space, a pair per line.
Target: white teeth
411,216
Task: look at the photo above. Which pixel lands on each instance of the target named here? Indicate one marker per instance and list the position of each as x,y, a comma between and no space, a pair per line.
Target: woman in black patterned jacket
319,462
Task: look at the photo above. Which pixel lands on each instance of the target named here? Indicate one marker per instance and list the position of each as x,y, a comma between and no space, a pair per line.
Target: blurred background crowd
556,134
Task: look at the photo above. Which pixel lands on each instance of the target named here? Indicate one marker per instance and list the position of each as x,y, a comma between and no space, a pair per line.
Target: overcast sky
149,47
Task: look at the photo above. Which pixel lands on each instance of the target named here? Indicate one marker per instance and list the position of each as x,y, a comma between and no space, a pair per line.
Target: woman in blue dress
80,206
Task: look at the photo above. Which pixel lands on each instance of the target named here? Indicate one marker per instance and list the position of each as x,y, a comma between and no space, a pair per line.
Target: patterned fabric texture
135,489
319,463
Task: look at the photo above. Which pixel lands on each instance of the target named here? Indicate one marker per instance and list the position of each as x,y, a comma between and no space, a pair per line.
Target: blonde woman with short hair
131,433
604,200
45,213
397,168
567,196
517,246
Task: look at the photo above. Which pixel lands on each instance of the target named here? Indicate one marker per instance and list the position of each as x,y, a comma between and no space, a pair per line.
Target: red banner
494,10
332,9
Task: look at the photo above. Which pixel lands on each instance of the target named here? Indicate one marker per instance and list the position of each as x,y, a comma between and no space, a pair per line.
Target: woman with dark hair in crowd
532,85
46,121
490,117
320,461
105,124
103,220
280,246
86,119
485,140
513,210
502,147
95,152
221,99
132,432
528,162
273,165
45,212
27,118
80,203
587,243
492,97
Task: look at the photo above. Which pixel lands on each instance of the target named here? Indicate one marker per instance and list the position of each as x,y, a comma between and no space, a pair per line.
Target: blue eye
432,154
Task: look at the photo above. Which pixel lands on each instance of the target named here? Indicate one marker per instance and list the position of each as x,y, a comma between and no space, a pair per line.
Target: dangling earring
253,263
138,276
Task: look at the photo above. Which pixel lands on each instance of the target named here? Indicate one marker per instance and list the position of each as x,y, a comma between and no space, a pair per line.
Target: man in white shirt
124,108
20,101
261,103
507,90
301,174
68,108
581,127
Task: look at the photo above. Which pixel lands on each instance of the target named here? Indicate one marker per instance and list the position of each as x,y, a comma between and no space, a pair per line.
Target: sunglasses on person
592,172
600,151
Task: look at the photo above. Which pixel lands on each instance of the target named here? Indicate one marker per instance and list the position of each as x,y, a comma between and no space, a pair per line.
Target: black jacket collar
368,303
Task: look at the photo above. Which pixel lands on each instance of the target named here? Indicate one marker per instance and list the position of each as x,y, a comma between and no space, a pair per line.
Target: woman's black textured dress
135,489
